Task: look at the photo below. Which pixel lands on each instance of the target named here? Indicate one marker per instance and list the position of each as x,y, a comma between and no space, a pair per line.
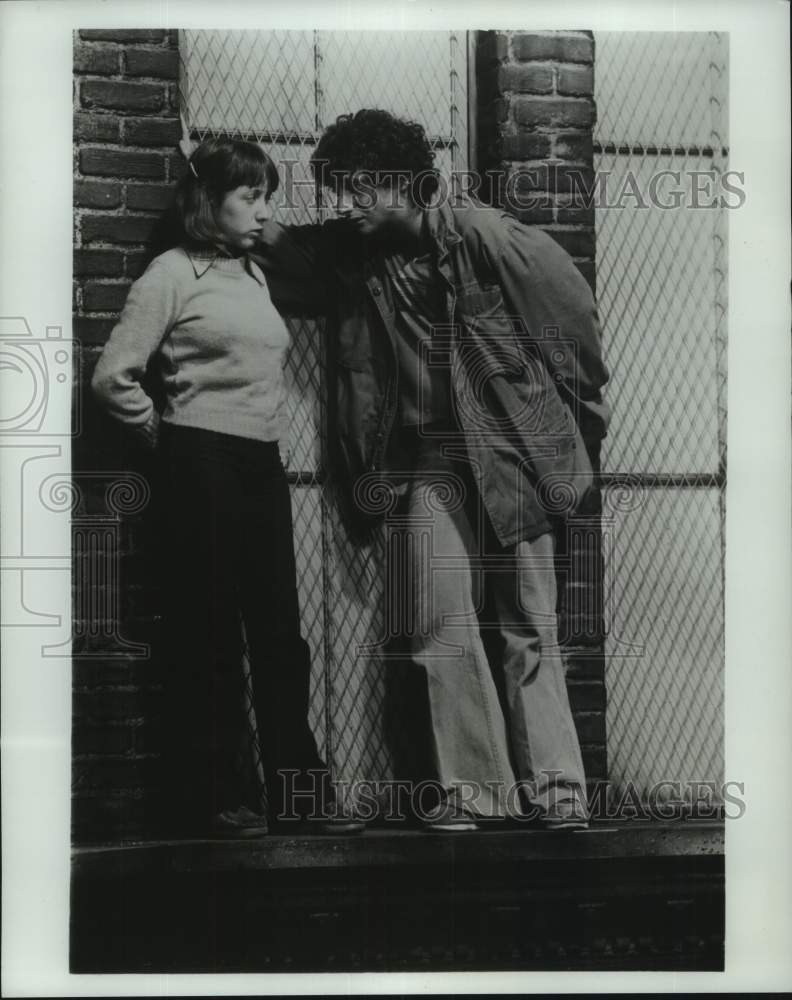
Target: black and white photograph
388,457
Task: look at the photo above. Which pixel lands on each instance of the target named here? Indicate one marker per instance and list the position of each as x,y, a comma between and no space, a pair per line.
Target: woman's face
241,214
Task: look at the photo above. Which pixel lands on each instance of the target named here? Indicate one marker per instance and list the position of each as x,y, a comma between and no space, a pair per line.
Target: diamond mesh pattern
656,88
358,678
661,283
275,86
665,655
415,75
657,289
282,88
249,82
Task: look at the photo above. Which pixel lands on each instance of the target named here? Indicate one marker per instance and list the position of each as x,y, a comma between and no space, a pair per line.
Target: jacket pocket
504,369
478,304
486,331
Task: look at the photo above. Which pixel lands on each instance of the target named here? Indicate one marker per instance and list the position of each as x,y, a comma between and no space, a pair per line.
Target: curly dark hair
377,143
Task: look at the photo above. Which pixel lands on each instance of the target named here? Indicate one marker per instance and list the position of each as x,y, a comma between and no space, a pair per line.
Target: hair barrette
191,165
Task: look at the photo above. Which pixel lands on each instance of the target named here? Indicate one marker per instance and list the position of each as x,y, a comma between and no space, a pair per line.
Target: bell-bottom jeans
227,557
495,726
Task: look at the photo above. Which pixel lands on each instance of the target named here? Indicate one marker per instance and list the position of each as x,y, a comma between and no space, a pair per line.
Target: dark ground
635,896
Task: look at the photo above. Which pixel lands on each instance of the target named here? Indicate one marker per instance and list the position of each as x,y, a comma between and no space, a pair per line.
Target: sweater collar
204,260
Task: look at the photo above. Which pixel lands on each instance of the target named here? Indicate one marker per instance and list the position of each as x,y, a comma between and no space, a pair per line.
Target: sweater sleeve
149,314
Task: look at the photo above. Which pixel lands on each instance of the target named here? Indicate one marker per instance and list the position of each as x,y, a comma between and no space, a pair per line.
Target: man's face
375,209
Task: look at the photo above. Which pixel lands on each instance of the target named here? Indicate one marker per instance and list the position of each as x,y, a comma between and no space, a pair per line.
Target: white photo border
35,282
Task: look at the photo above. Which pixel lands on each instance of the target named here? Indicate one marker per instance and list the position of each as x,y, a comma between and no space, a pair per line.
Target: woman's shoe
342,824
336,821
239,823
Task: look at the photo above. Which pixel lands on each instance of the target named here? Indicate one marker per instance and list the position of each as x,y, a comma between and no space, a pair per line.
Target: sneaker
449,818
236,823
566,814
335,820
340,822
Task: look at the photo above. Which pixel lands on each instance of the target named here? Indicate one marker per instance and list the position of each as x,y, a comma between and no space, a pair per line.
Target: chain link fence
661,278
282,88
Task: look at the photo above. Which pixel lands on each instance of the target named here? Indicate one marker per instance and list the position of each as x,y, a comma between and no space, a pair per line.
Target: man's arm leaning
295,261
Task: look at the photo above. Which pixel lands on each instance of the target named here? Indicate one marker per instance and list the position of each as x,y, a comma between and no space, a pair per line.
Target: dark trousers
228,557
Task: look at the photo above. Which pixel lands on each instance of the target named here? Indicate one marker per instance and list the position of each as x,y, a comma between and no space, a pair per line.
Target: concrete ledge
630,896
378,847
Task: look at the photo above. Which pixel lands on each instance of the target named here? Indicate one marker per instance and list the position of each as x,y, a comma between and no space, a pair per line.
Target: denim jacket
526,361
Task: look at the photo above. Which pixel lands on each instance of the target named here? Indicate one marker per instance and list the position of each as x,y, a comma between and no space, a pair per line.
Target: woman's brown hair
217,166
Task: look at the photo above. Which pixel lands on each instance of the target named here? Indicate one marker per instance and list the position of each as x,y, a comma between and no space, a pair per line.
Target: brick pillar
534,117
126,129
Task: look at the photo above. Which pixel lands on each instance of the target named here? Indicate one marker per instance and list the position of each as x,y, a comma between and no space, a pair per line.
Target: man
467,358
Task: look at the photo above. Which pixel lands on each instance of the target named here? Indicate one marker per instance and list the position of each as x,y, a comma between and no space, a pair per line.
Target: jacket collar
439,221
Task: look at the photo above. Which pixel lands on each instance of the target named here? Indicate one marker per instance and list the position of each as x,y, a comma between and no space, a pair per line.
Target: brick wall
534,119
126,129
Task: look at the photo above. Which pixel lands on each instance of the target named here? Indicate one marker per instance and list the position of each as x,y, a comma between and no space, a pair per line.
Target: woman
202,314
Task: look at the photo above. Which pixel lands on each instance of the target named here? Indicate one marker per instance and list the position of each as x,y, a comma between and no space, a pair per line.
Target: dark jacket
526,357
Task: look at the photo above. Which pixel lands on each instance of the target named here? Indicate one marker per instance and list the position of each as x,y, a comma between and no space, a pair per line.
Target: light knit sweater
209,327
